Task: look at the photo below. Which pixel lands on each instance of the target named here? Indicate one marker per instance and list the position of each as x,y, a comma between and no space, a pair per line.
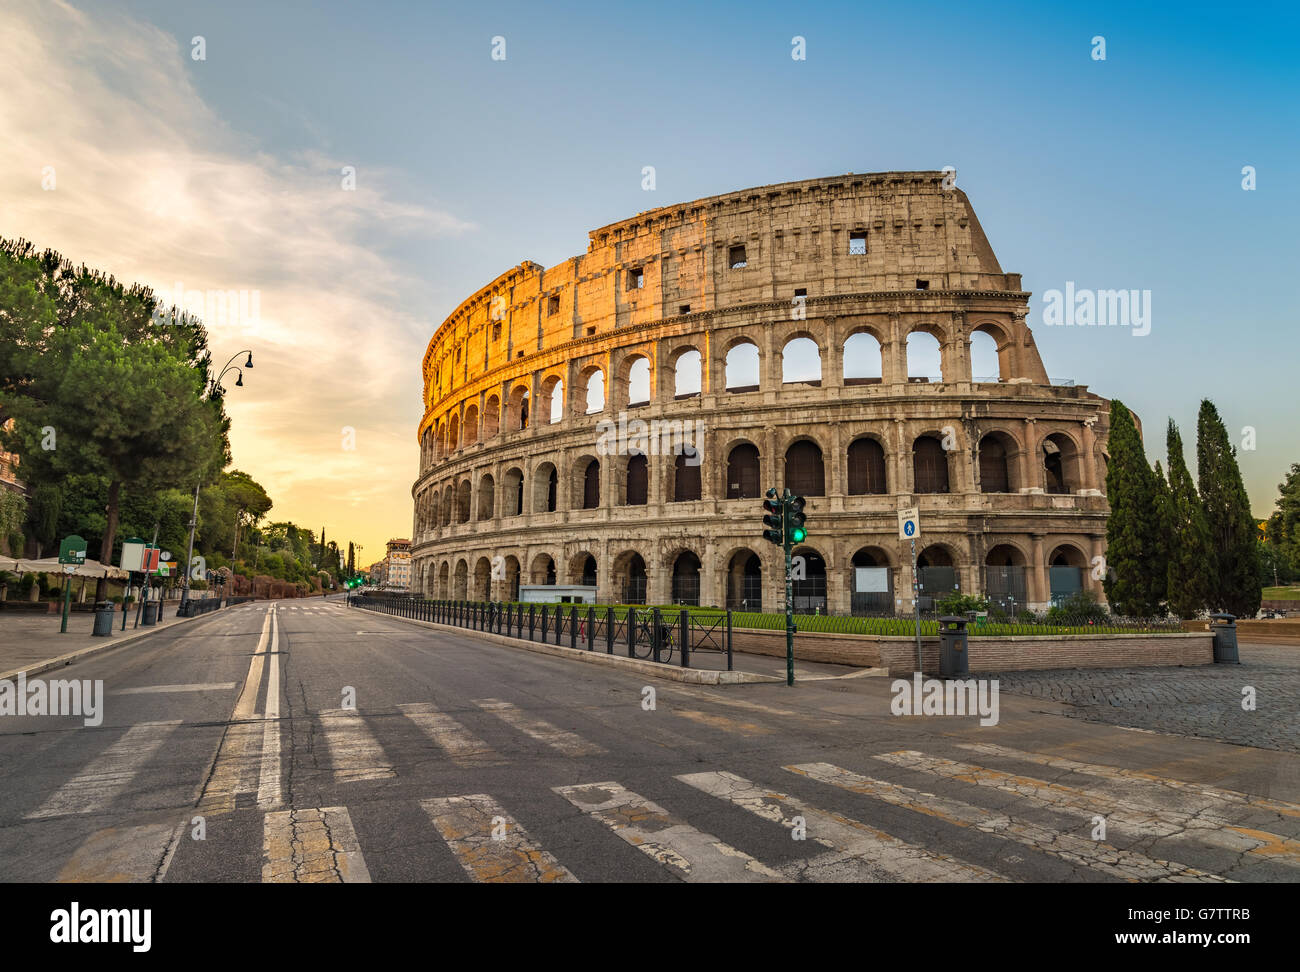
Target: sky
122,149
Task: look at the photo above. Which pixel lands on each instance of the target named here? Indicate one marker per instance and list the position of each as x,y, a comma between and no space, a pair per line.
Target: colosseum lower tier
614,420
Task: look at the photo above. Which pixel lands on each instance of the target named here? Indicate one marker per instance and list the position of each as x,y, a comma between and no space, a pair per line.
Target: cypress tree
1161,547
1234,554
1131,529
1189,537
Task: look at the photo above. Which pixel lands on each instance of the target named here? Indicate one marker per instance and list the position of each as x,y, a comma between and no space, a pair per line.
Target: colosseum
613,421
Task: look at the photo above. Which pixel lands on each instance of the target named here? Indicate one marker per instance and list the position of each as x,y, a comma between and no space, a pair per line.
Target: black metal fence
665,636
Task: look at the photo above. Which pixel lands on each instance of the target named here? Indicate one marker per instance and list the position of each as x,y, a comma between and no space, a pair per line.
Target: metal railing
664,636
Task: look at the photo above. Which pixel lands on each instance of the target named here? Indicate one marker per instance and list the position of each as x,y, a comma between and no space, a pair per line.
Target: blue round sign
909,528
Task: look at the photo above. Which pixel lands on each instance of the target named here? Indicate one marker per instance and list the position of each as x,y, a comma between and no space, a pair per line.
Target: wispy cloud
153,186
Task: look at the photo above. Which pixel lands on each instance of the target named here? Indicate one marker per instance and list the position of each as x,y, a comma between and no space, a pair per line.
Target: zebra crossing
1029,803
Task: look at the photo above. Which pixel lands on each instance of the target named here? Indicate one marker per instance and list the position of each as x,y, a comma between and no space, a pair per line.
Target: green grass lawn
1282,593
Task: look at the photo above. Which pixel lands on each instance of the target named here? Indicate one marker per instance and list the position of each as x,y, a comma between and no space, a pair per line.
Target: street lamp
214,388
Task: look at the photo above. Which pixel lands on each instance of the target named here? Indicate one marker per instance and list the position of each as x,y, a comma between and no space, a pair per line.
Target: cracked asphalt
317,743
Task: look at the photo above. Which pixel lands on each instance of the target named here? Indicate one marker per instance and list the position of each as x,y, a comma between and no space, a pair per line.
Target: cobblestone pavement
1203,701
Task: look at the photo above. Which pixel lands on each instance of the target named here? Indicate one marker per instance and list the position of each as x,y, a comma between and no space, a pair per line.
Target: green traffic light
798,534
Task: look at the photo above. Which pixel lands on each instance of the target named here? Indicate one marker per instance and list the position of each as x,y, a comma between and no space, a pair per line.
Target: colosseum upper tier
614,420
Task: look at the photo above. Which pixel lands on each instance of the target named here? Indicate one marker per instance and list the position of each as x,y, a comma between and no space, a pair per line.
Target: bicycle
645,643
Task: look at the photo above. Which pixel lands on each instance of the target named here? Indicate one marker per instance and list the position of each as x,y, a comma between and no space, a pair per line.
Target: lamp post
214,388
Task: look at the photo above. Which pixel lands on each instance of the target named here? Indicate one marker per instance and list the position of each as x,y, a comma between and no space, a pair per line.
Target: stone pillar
839,581
658,584
1088,459
1097,586
893,353
712,467
1032,477
836,463
1040,591
769,465
769,367
832,356
712,576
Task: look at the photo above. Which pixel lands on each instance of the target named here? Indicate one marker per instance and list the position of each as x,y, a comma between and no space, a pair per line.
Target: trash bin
1224,629
104,611
150,613
952,646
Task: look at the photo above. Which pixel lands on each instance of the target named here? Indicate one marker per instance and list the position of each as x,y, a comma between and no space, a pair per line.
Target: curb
75,656
673,673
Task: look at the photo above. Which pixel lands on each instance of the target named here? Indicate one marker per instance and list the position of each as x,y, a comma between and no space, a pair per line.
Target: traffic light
772,531
794,519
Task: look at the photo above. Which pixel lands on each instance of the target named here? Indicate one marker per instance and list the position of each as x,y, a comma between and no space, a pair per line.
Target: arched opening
745,582
984,364
686,474
1065,572
743,472
873,583
592,391
686,377
996,450
462,501
630,578
1005,583
553,397
586,573
461,590
1060,463
686,579
638,481
638,383
866,461
936,575
543,571
444,582
453,433
801,362
511,592
591,485
862,360
449,505
440,442
512,496
741,367
924,357
517,409
491,416
471,425
809,590
544,488
929,465
486,497
805,474
482,580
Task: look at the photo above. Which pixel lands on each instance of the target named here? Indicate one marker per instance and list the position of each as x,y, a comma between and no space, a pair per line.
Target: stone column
836,463
1032,477
711,575
1097,586
832,357
1040,590
658,584
1088,459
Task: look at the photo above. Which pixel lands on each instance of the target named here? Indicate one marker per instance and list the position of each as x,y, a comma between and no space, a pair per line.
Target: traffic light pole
789,619
916,603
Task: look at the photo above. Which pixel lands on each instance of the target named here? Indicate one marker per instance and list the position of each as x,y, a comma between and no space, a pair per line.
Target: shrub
960,604
1081,606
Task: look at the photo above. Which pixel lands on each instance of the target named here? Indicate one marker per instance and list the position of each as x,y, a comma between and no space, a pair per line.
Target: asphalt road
305,741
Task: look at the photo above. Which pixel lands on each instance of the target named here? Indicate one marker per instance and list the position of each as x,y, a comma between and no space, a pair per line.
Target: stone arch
471,425
449,504
482,590
582,569
551,399
511,590
810,591
542,570
685,372
999,468
440,441
686,573
584,484
453,433
589,392
518,408
744,472
990,354
443,588
686,474
871,581
805,468
742,366
924,348
630,578
460,589
545,488
801,360
867,466
863,358
931,472
491,416
512,492
463,492
1061,463
486,497
636,380
636,480
744,580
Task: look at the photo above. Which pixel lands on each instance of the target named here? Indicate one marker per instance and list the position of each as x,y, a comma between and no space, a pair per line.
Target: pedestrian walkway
28,642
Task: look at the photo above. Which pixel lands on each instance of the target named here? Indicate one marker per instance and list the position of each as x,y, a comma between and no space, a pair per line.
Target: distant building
397,565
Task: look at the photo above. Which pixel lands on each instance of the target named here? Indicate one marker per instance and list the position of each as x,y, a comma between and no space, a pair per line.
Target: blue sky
1122,173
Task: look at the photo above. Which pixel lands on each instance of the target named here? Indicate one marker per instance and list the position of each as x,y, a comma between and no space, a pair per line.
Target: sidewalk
32,643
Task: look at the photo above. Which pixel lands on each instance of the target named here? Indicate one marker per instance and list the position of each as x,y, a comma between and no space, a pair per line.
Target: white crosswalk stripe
311,847
491,845
854,851
1122,864
95,787
566,742
354,751
462,746
692,854
1126,810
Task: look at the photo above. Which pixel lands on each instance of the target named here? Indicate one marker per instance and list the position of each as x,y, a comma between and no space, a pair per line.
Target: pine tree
1161,546
1189,537
1234,555
1130,531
